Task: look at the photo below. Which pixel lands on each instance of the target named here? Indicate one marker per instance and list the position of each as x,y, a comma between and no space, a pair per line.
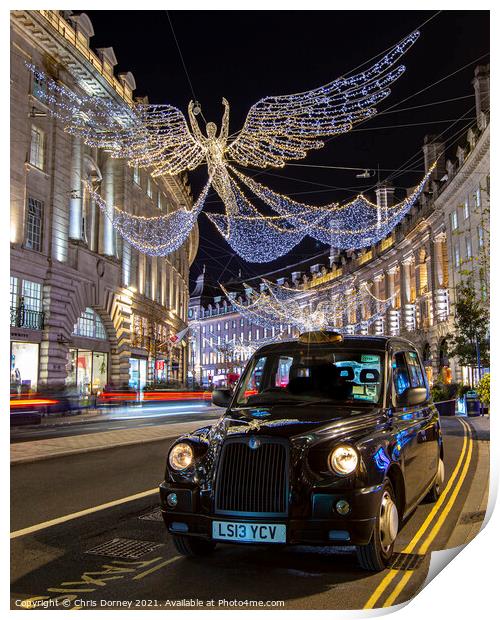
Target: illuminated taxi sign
320,337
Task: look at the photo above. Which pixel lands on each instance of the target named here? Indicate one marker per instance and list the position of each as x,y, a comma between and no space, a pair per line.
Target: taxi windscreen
304,375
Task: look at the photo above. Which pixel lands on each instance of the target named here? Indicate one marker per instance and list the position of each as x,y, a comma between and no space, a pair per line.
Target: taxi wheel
437,487
376,555
190,546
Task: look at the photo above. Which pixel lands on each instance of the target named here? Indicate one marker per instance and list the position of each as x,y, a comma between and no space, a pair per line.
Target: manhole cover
406,561
124,548
473,517
152,515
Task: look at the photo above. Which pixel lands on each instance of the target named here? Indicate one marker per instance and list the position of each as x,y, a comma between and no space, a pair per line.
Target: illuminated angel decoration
277,129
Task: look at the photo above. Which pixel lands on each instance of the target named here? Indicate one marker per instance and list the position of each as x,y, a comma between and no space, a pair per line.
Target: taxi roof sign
321,337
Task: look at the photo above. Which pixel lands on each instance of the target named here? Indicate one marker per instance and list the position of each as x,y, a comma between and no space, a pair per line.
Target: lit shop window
89,325
37,147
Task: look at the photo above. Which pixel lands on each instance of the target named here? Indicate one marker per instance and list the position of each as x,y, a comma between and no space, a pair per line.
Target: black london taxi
326,440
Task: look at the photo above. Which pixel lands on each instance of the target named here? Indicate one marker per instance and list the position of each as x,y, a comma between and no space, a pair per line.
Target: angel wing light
277,129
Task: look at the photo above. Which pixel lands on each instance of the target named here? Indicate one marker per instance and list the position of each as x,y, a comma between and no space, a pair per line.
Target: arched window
89,325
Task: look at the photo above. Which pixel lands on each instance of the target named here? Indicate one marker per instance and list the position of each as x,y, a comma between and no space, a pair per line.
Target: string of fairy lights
156,236
345,308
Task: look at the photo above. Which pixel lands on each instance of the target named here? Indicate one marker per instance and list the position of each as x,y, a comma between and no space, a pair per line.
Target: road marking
437,526
81,513
157,567
425,546
386,581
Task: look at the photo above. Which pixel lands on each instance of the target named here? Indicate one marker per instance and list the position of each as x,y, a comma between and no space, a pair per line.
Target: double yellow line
461,468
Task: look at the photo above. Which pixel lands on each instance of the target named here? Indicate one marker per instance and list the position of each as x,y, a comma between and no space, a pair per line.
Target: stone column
126,263
392,314
76,198
379,293
92,223
108,190
440,292
406,302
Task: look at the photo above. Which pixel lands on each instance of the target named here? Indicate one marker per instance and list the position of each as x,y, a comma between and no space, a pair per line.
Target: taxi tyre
374,556
189,546
437,487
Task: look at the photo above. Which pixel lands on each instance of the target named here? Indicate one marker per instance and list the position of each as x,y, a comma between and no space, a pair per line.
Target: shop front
88,356
137,373
87,370
24,362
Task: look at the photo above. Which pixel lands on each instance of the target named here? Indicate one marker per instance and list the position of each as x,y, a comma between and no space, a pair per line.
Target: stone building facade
444,237
87,309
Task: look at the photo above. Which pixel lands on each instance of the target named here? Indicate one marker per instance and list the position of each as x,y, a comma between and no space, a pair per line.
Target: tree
470,341
483,389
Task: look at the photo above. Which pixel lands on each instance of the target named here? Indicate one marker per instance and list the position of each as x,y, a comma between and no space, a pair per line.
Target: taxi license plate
249,532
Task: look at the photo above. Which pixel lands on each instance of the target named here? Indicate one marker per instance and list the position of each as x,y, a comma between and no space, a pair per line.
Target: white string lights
277,129
156,236
344,308
258,238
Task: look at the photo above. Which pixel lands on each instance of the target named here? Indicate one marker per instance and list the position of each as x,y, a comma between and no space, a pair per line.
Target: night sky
246,55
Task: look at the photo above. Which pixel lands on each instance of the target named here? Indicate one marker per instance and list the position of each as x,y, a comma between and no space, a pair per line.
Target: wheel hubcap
389,521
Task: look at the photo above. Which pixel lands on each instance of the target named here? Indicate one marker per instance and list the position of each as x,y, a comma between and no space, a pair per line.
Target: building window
39,89
33,240
89,325
477,197
25,304
468,248
456,254
137,174
158,203
480,236
242,322
234,324
454,220
32,295
149,188
466,209
37,147
14,292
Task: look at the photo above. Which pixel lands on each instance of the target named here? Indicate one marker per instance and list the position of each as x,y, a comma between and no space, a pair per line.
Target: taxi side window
400,376
415,370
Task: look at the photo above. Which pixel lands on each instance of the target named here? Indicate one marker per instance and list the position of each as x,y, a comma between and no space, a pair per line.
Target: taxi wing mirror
412,397
221,398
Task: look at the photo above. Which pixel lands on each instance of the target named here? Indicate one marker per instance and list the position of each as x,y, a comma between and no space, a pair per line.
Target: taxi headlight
343,460
181,456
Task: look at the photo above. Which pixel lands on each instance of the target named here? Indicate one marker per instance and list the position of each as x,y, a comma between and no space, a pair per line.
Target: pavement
90,536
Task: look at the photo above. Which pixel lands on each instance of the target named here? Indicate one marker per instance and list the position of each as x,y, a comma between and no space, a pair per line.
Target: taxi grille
253,480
